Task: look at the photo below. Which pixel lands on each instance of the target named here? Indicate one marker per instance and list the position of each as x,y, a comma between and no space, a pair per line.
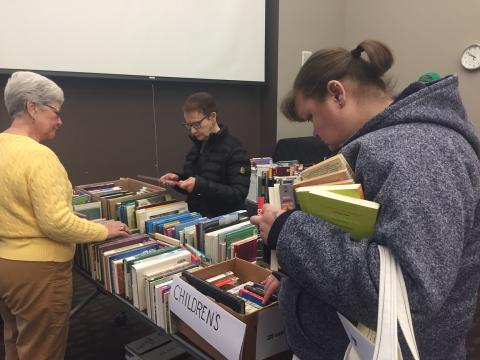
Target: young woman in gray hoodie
418,156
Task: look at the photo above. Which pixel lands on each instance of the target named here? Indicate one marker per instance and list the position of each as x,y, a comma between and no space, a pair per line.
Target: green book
240,234
355,216
78,199
352,190
92,210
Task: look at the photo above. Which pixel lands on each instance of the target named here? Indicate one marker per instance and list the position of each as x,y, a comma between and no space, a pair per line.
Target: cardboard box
264,335
108,205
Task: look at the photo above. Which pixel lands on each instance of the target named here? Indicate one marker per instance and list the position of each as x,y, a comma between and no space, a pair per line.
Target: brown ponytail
336,64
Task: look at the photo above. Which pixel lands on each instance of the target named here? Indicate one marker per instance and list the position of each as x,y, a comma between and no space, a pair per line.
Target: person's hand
270,286
169,179
80,215
187,185
116,228
265,220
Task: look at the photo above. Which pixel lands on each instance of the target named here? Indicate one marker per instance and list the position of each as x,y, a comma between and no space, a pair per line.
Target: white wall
304,25
425,35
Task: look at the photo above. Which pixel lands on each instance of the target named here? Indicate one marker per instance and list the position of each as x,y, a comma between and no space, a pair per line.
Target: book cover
156,263
142,248
147,213
328,166
92,210
352,190
245,249
204,226
214,238
129,261
355,216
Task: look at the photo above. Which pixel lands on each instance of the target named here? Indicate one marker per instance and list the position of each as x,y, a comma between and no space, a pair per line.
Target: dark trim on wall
268,123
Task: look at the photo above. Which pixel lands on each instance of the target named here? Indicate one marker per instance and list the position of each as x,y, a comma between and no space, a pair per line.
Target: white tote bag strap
386,339
393,309
404,315
393,304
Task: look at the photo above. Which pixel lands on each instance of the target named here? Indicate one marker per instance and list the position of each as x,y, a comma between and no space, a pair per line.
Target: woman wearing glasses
38,229
216,174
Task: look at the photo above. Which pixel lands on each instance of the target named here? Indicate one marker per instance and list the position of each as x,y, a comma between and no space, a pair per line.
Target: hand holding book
265,220
169,179
187,185
271,285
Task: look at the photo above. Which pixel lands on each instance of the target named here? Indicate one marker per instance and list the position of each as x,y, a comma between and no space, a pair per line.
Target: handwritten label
218,327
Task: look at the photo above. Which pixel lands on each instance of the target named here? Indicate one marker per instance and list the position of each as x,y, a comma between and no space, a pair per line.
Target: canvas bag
393,307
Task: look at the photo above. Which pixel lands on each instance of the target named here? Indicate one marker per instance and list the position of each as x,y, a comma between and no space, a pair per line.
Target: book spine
248,295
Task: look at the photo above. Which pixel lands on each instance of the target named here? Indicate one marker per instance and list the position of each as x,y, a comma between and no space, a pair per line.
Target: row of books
112,193
138,269
111,190
224,237
265,175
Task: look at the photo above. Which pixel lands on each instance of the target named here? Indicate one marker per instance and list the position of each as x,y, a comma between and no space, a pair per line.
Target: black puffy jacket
221,168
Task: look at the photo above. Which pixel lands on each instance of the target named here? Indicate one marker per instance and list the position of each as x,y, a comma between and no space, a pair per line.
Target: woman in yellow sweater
38,229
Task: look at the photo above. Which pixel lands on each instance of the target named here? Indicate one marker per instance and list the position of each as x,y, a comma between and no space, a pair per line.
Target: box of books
84,204
111,193
220,310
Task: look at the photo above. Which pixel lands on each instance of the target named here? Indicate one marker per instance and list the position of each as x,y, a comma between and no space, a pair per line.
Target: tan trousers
35,301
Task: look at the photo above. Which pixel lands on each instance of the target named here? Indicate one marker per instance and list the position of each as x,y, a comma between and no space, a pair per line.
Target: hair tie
357,52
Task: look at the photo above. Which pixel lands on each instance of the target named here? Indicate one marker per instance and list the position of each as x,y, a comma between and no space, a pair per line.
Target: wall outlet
305,55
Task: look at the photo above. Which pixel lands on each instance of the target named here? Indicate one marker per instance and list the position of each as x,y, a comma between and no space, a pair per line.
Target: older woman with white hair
38,230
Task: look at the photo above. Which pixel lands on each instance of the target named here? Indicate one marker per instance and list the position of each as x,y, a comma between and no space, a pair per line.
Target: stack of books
327,190
84,204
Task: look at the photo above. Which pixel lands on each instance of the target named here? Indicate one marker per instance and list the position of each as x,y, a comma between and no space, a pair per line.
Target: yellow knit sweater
37,222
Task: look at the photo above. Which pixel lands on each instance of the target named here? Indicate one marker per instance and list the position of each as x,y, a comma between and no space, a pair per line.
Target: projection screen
185,39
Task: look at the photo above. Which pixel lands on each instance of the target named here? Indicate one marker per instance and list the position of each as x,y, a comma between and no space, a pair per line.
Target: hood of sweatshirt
437,103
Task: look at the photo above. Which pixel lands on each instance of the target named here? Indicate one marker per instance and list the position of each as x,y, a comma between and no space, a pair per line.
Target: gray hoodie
420,160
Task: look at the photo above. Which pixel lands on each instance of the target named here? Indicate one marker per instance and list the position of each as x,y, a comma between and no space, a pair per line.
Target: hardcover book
156,263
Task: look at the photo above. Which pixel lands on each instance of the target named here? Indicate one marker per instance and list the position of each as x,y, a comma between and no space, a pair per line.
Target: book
167,239
156,263
131,260
214,238
246,249
114,272
227,299
204,226
147,213
251,296
355,216
96,250
80,198
337,177
92,210
236,235
328,166
352,190
115,254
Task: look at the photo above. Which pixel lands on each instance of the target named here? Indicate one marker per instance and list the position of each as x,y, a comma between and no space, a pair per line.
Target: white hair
25,86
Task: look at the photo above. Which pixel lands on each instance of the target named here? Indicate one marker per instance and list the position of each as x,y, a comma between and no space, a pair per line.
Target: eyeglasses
54,109
195,124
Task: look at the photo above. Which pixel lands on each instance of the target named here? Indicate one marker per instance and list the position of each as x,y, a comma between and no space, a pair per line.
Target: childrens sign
218,327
